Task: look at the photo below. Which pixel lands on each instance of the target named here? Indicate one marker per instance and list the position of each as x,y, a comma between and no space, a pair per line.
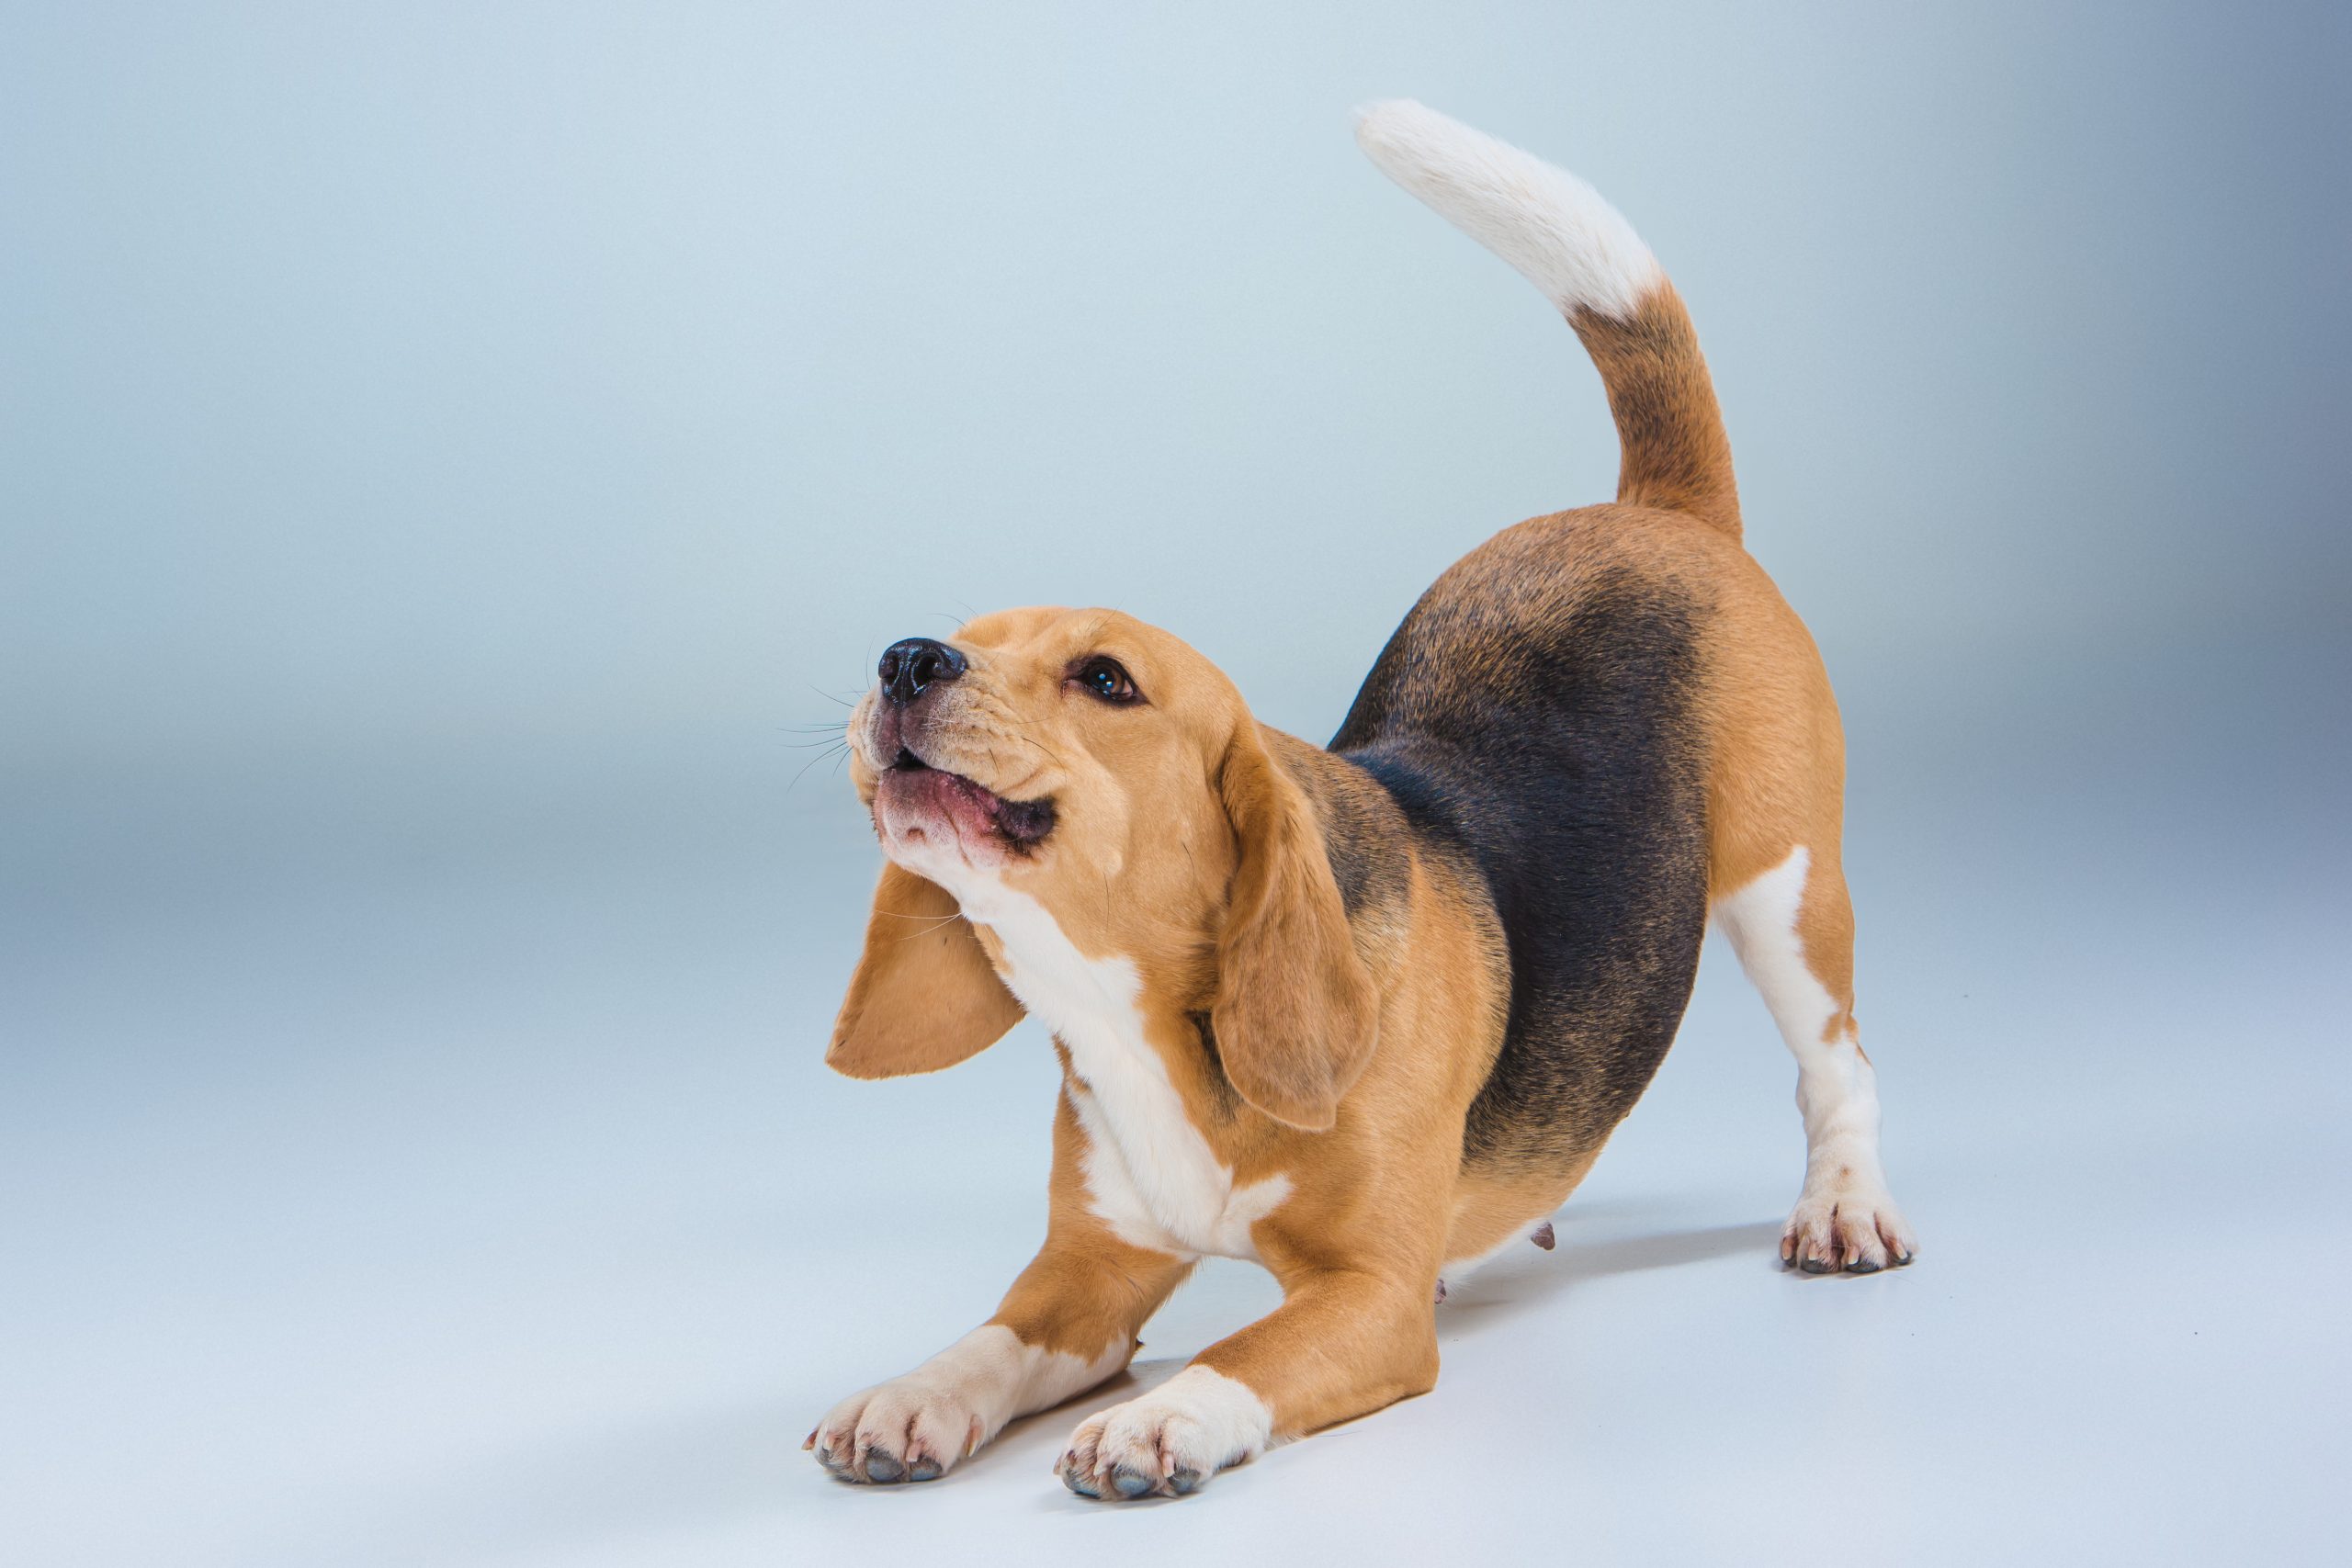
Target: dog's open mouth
1021,823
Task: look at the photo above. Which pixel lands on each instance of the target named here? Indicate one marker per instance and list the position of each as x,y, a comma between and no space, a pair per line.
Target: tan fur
1490,1207
1676,455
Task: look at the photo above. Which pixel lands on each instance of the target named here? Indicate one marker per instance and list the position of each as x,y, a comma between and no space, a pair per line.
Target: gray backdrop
448,453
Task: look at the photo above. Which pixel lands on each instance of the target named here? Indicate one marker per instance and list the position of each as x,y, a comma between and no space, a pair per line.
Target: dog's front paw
1853,1227
1167,1442
912,1429
917,1427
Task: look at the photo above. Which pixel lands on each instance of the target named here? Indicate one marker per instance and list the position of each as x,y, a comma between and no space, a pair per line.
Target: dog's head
1104,772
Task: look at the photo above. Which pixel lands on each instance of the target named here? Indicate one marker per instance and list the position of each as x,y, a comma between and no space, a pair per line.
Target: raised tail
1561,236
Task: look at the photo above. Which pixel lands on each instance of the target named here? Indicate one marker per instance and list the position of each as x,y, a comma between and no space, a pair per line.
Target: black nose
911,668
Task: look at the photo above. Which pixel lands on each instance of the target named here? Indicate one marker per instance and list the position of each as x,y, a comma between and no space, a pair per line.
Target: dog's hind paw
1855,1229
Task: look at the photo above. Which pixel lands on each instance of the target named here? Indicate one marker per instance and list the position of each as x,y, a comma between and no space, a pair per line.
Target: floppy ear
924,997
1296,1011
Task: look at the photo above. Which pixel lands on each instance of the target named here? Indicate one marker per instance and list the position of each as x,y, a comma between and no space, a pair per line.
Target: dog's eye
1106,678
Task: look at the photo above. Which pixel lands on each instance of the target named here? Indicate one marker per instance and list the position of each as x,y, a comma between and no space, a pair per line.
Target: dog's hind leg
1793,929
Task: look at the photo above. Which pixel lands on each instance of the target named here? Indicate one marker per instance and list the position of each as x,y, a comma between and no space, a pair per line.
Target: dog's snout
911,668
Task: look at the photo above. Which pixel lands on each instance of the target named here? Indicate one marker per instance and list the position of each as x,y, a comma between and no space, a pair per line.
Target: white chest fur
1151,1176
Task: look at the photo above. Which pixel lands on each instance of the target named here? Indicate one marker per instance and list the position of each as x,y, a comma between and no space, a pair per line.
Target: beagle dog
1363,1014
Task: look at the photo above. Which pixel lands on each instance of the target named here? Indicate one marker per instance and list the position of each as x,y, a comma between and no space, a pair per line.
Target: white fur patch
1845,1213
1555,229
960,1398
1168,1441
1761,921
1152,1176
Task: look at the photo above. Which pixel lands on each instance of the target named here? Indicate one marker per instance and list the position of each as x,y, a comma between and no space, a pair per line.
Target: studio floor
499,1212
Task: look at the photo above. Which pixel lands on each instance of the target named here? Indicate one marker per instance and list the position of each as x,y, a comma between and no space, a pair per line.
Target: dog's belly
1150,1176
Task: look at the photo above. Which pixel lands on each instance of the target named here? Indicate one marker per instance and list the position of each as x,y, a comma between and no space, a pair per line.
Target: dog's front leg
1344,1342
1068,1322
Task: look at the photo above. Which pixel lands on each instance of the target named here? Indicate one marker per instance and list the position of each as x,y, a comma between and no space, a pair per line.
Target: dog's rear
1686,743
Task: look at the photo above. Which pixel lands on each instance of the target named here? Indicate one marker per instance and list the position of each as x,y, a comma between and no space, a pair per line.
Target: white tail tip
1552,227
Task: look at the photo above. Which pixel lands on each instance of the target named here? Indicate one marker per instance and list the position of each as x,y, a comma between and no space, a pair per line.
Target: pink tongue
964,800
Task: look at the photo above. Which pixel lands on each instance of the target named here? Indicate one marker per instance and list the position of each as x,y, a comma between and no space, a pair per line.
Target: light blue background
446,451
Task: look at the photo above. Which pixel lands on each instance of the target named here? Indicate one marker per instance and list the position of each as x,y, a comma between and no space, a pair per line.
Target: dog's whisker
1053,755
936,924
843,752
